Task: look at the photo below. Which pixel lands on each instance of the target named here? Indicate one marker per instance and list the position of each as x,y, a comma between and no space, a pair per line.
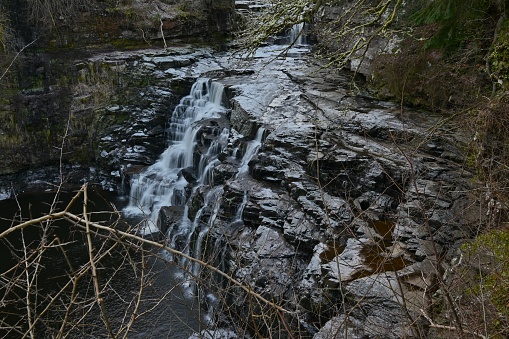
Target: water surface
163,312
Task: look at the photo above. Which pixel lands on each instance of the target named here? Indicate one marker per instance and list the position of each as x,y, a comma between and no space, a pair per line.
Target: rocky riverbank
348,204
347,212
339,201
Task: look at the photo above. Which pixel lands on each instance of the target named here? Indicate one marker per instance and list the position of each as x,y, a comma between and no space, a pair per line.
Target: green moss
494,244
38,82
10,140
126,44
499,58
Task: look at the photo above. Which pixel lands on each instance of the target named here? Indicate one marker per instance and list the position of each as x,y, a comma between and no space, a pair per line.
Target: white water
209,160
297,34
251,150
211,204
240,210
160,184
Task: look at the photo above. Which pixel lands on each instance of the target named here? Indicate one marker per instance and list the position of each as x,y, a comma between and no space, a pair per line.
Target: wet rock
169,218
301,231
265,259
344,192
346,266
165,62
242,120
336,203
342,326
271,245
376,204
381,314
217,333
224,172
233,197
189,173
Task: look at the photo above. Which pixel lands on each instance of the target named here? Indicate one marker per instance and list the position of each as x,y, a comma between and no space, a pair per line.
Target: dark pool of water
163,312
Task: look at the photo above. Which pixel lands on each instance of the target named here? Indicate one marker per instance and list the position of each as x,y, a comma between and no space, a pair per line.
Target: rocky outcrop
120,24
346,205
117,123
114,119
338,216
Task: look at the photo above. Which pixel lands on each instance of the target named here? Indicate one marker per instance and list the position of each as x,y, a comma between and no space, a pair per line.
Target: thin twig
134,314
116,232
97,289
15,57
47,217
449,328
162,33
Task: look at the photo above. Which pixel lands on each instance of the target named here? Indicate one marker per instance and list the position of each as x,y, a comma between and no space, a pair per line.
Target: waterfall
211,205
122,188
160,184
297,34
240,210
209,160
212,199
251,150
165,183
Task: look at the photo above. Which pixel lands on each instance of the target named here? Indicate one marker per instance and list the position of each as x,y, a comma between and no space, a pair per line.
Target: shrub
492,252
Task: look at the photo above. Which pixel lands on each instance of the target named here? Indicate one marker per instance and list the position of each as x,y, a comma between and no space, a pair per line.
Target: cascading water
251,150
211,205
161,184
209,160
297,34
240,210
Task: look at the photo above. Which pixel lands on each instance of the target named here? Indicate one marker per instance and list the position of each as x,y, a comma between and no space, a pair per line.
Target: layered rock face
340,214
114,123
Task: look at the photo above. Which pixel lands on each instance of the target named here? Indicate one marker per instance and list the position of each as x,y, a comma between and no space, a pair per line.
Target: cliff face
50,91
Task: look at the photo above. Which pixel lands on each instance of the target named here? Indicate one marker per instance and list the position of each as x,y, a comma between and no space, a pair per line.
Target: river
168,312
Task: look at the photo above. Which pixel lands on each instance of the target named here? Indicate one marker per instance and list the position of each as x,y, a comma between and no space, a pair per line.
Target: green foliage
456,21
441,10
3,34
499,57
494,244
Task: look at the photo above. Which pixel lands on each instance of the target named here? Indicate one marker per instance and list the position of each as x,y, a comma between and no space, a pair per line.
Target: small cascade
209,160
251,150
240,210
297,34
234,152
212,202
160,184
122,187
211,205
